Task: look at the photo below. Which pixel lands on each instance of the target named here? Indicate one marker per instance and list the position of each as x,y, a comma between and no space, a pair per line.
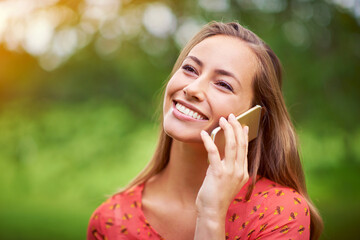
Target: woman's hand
224,179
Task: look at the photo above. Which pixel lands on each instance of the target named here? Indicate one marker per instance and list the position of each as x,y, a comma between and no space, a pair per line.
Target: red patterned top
272,212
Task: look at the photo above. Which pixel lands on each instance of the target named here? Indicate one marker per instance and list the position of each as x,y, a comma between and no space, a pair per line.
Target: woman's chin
184,136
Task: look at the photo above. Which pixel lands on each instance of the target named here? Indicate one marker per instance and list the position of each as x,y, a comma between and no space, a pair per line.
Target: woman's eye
189,68
225,85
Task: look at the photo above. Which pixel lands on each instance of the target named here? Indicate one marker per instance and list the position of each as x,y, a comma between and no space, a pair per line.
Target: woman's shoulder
116,213
122,200
271,209
267,190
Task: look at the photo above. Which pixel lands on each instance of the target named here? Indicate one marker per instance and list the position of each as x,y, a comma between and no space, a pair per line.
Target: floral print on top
272,212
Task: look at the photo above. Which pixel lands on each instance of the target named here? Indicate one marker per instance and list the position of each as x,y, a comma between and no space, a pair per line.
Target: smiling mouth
189,112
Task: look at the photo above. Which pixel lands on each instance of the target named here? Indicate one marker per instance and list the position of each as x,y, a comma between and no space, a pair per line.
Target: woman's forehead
225,52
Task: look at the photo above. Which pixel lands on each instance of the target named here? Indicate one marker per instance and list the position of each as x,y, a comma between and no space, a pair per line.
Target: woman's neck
185,172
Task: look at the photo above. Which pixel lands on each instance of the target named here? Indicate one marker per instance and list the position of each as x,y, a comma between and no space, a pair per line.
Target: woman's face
214,80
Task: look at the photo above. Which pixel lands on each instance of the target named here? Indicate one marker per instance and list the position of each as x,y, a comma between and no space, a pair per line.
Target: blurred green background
79,86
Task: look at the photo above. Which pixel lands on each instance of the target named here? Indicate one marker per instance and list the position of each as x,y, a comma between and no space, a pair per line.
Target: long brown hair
274,153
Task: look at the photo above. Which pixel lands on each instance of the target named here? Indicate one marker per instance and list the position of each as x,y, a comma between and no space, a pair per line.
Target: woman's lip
190,107
181,116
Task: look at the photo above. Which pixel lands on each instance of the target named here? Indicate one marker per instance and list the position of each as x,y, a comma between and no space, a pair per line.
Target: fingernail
232,116
246,129
222,119
203,132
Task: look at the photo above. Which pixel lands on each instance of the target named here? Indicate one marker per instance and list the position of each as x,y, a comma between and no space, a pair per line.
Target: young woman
190,190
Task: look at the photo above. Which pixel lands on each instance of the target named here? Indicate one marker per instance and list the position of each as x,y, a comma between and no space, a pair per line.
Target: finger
238,134
246,133
213,153
241,140
230,142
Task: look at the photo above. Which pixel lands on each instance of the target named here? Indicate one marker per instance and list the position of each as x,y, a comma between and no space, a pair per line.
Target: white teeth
188,112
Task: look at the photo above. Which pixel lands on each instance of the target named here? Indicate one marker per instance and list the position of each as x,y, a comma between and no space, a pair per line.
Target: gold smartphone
250,118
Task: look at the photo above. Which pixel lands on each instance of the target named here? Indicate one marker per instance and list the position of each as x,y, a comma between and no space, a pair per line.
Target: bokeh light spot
270,6
159,20
39,32
188,28
215,5
296,33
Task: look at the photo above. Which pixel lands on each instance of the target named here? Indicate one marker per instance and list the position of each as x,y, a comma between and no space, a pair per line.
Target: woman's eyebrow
195,59
217,71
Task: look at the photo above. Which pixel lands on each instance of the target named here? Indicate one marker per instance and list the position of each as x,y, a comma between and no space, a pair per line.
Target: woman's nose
195,90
